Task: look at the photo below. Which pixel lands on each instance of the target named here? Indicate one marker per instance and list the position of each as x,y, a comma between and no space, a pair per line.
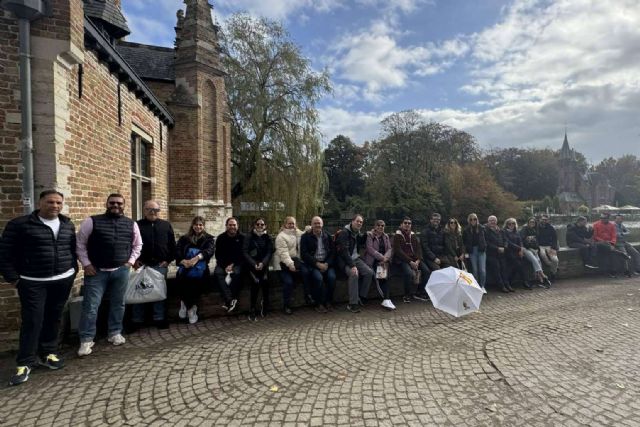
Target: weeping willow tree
272,94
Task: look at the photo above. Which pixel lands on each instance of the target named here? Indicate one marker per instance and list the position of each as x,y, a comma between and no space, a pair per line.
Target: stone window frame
141,145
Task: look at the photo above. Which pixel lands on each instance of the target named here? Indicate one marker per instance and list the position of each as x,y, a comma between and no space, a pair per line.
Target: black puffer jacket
257,249
513,242
28,248
205,243
432,239
577,234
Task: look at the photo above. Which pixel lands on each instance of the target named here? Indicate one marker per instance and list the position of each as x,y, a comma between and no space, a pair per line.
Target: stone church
576,188
111,116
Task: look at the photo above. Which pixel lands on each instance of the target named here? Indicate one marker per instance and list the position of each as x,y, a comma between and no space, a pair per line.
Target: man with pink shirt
107,246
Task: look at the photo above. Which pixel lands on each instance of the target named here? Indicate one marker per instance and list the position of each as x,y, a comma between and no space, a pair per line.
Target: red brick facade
82,139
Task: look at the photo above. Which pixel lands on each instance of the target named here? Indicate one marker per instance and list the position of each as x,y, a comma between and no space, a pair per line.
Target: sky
513,73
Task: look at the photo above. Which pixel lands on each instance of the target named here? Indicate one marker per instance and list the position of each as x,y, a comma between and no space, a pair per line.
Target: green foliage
272,95
344,164
624,176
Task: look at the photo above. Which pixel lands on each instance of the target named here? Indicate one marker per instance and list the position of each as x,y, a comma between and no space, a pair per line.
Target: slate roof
110,16
149,62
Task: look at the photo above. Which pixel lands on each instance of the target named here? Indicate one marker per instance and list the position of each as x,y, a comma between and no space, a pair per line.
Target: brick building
111,116
575,188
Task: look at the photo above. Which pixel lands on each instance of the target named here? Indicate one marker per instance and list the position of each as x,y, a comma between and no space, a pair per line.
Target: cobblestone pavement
567,356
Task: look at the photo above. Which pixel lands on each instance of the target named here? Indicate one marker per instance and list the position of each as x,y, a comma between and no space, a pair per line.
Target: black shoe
162,324
505,289
329,307
51,361
613,276
252,316
287,310
406,299
21,376
547,283
263,308
320,309
627,274
134,327
422,296
363,301
527,285
232,305
353,308
308,299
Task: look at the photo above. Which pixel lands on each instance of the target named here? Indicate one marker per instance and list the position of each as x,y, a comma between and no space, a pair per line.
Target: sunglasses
260,224
117,203
153,210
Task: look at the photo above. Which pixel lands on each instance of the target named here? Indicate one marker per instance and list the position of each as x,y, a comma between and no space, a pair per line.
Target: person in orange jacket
604,238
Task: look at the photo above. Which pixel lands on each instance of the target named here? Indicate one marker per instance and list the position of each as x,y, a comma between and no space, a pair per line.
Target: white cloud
278,9
359,126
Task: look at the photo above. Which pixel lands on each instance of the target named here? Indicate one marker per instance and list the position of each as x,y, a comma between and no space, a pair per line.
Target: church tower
200,149
567,178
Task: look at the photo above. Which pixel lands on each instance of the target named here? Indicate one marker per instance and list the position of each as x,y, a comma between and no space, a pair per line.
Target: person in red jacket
604,238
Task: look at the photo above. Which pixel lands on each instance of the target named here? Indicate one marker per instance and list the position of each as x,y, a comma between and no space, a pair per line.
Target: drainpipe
26,11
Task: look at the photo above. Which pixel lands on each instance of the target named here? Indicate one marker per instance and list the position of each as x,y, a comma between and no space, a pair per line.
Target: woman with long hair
193,252
453,244
476,248
287,261
514,253
378,254
496,267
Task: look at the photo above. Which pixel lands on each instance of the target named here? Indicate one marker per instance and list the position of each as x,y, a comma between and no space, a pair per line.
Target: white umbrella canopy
454,291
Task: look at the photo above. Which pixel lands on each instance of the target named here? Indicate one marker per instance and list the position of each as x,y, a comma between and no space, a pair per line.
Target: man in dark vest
158,250
108,245
38,255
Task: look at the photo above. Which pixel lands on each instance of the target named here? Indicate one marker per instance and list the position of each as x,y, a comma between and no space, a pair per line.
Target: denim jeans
94,288
322,294
531,255
408,275
137,310
479,265
288,279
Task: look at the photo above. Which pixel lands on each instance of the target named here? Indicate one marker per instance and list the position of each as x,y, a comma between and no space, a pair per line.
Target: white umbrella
454,291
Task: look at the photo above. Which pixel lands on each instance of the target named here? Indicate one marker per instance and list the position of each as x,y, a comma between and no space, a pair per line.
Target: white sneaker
193,314
182,313
388,304
85,348
117,339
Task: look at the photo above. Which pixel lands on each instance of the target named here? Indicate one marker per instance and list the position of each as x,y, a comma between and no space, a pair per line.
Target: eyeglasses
153,210
260,224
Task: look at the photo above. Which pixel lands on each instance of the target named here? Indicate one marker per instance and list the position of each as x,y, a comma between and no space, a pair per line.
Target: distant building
576,188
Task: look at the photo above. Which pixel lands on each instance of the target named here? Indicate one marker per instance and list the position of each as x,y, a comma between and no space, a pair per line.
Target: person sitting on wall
496,267
257,251
407,254
378,256
633,265
229,262
529,234
432,240
476,248
319,255
604,238
287,261
580,236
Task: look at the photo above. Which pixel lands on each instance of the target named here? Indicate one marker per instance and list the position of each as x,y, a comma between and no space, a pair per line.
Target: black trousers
586,251
259,281
231,291
190,289
42,305
496,269
515,270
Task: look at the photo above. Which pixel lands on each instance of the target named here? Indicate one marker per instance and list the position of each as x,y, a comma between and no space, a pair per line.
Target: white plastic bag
228,278
381,271
145,285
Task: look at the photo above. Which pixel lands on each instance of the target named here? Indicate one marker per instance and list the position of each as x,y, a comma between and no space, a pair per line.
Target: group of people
39,254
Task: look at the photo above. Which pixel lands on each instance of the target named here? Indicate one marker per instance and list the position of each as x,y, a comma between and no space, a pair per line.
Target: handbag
145,285
195,272
381,271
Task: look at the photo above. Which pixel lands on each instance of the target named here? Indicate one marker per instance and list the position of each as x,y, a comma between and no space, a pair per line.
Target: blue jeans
322,294
479,265
137,310
408,275
94,288
288,279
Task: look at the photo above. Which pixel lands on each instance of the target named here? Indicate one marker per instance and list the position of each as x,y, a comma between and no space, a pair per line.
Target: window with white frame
140,173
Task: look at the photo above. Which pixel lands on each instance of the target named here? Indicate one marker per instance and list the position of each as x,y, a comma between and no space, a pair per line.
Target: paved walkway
568,356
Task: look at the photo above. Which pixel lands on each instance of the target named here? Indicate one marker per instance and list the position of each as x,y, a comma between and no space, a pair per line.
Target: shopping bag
381,271
145,285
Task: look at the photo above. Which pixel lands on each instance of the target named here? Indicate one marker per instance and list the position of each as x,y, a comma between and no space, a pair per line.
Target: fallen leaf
599,350
629,295
629,309
274,388
620,386
625,324
588,326
493,407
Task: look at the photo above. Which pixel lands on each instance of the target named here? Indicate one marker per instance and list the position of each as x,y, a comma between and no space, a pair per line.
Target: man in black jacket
432,239
318,253
38,255
548,241
580,237
349,241
158,250
229,260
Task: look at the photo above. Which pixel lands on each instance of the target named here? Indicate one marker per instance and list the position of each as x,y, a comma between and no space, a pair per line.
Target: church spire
565,151
196,35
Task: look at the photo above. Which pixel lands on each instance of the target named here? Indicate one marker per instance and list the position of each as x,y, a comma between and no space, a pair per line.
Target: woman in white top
286,259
